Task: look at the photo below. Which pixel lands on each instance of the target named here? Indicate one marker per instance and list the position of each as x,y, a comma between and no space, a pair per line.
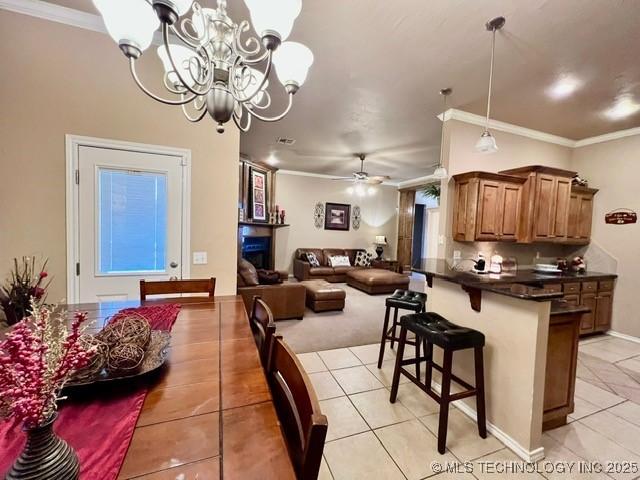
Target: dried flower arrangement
37,357
26,282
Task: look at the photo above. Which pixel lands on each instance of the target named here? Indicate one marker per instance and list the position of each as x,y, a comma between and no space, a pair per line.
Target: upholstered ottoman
374,280
322,296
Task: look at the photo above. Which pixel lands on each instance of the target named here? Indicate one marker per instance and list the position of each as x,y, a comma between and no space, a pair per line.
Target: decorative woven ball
125,358
131,328
97,362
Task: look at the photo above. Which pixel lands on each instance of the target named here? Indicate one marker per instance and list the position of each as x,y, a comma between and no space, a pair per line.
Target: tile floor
370,438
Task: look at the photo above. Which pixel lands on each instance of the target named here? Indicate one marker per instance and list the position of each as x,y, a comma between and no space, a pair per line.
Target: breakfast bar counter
531,340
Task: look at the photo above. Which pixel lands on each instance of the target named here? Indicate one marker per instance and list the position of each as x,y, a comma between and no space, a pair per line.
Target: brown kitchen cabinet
546,198
598,297
486,207
580,215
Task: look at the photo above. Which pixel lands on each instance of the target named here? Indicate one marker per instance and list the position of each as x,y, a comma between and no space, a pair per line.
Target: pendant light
440,173
486,143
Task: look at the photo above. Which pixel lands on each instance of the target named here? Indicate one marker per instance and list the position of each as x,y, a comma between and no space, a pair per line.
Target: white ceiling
379,66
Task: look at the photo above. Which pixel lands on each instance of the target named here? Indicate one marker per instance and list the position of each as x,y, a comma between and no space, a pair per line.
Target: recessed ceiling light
623,107
563,87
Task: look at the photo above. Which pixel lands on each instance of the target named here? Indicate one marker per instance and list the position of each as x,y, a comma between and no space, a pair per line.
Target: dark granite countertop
525,284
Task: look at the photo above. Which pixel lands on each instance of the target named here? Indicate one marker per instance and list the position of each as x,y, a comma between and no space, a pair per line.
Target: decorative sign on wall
318,215
356,217
621,216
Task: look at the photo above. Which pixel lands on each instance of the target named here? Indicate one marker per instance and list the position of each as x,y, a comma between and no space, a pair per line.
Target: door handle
173,264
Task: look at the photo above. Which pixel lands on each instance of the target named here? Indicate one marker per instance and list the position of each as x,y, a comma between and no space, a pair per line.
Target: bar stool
436,330
401,299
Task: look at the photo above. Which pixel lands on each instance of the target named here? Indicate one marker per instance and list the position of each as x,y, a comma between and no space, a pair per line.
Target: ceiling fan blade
344,179
378,179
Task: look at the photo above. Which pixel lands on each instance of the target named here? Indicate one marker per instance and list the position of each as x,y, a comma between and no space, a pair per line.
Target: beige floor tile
325,385
504,464
595,338
593,446
324,473
558,461
360,457
413,447
343,418
366,353
616,429
612,349
375,408
595,395
582,408
356,379
630,411
312,362
632,364
339,358
416,400
462,437
385,374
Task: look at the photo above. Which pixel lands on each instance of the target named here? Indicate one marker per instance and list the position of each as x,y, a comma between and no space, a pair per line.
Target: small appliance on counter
546,268
496,264
509,266
480,264
578,265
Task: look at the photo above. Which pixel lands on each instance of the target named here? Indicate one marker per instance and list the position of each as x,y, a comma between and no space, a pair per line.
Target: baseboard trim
529,456
623,336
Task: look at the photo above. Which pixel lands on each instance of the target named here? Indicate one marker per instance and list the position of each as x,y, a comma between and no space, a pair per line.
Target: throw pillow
312,259
248,273
363,259
339,261
268,277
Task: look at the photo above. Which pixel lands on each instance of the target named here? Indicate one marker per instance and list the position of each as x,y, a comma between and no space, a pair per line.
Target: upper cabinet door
562,190
544,218
510,205
489,222
585,215
574,212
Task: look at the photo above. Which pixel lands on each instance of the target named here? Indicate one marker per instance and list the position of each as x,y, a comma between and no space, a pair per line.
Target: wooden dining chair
303,424
205,285
263,328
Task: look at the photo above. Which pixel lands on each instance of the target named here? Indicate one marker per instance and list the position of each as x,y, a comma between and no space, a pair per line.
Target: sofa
286,300
303,270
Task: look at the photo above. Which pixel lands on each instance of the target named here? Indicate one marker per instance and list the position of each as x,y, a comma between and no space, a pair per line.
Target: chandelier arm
195,119
276,118
237,121
132,67
238,31
165,41
265,78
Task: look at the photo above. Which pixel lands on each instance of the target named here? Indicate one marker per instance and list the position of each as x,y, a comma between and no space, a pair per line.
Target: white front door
129,216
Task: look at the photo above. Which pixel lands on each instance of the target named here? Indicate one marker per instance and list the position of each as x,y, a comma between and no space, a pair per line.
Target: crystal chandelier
209,66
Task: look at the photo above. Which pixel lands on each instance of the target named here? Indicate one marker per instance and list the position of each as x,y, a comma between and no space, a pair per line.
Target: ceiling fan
362,176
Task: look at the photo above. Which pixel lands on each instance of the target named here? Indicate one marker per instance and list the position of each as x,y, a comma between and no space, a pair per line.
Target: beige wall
61,80
298,195
513,151
614,169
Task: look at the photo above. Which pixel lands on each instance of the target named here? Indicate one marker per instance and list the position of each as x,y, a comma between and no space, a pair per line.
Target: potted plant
26,282
432,191
37,357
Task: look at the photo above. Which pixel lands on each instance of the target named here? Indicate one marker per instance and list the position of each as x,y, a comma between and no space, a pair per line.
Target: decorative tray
154,358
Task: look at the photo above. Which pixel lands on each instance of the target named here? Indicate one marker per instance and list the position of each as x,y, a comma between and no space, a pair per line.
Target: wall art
621,216
258,195
356,217
337,216
318,215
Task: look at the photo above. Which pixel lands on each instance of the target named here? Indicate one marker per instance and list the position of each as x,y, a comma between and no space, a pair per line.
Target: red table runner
99,429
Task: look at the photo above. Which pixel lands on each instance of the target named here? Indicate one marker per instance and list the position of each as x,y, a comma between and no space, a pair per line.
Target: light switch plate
199,258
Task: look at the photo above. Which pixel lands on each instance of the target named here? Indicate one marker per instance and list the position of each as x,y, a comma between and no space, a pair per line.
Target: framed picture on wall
337,216
258,195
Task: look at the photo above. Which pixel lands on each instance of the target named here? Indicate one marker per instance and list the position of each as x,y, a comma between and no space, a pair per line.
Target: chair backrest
263,328
303,424
206,285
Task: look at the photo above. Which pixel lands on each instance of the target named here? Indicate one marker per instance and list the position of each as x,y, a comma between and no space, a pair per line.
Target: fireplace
257,251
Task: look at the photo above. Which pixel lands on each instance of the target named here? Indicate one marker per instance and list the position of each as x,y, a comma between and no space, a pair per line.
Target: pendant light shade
274,16
486,143
440,173
129,22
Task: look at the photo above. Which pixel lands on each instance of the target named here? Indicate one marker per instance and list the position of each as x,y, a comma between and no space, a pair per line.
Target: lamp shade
129,22
440,173
380,240
292,61
274,15
181,56
486,143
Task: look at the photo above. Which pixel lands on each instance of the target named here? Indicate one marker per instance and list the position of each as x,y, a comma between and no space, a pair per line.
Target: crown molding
472,118
55,13
607,137
416,182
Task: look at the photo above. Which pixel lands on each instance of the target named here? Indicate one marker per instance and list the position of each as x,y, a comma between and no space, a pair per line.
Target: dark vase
11,314
45,456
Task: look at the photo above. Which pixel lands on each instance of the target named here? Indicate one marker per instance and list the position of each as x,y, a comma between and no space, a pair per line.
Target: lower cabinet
598,296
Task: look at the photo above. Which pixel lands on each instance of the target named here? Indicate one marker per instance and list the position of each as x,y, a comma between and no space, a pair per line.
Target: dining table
208,413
